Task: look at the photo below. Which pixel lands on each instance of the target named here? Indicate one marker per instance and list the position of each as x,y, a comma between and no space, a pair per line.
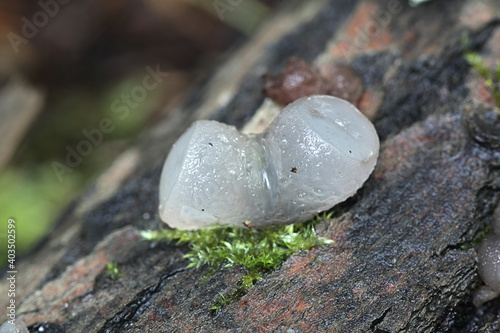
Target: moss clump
476,241
491,77
258,250
112,270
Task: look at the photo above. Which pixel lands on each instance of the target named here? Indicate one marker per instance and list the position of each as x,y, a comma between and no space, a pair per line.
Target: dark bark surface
402,260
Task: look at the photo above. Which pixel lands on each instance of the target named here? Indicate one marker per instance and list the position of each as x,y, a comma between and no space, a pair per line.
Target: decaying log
401,261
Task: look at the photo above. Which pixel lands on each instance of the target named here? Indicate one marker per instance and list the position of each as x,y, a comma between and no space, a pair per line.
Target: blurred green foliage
32,198
30,191
242,15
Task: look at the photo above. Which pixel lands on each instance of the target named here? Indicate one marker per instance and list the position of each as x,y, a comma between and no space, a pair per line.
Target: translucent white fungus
13,326
316,153
489,261
488,256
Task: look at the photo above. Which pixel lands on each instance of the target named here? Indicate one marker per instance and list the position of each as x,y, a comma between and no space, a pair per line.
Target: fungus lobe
239,179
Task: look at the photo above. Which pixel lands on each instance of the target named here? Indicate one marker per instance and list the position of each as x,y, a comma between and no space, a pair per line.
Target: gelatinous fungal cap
316,153
488,255
488,261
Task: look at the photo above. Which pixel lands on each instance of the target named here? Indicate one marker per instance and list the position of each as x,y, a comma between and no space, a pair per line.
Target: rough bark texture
401,261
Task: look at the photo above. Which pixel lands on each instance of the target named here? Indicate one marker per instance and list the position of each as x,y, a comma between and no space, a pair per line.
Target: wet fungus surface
215,174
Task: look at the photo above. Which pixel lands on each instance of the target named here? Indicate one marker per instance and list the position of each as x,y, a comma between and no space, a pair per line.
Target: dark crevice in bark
376,322
132,311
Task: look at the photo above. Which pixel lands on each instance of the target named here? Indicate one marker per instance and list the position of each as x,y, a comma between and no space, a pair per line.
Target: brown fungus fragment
343,81
300,79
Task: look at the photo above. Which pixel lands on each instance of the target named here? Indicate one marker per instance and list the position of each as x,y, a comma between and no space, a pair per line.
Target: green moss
258,250
112,270
491,76
478,239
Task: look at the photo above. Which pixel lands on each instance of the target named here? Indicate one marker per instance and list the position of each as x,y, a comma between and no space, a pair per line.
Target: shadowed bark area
403,258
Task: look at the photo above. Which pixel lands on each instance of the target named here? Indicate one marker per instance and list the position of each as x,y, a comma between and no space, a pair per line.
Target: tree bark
402,260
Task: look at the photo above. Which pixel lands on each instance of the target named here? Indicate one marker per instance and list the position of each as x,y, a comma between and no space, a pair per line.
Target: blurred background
74,71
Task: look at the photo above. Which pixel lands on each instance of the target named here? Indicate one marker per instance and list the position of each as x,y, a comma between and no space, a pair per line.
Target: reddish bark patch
366,31
370,102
